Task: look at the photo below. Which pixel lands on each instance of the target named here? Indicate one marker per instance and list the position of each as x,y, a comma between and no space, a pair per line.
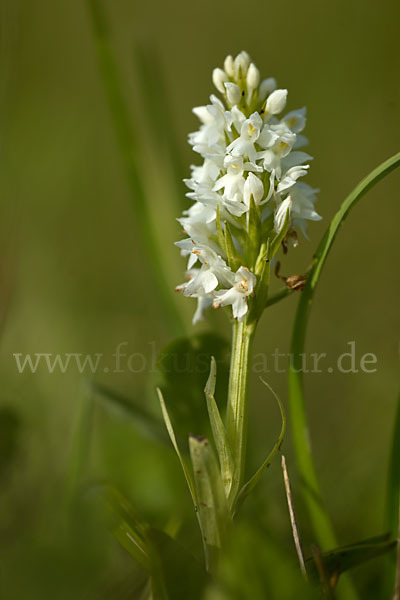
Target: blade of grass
155,94
310,486
392,507
171,433
128,147
251,484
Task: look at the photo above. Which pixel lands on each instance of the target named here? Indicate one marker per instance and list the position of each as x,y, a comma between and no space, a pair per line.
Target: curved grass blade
218,430
171,434
128,147
319,517
320,520
251,484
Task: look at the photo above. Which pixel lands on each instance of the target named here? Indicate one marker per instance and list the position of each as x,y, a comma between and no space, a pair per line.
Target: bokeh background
76,276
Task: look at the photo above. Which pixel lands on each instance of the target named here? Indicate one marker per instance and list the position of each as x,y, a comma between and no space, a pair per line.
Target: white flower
203,303
296,120
233,181
252,81
213,271
237,295
229,66
253,187
294,159
267,86
276,102
219,77
249,134
304,197
247,151
210,138
236,118
241,64
233,93
290,178
281,213
278,141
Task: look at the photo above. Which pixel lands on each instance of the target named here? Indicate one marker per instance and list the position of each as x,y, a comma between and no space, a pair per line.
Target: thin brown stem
293,520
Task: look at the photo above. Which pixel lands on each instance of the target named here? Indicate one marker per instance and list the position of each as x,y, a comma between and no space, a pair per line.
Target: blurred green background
75,276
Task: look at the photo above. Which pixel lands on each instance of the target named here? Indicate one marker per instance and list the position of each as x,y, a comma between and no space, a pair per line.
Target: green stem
238,393
128,146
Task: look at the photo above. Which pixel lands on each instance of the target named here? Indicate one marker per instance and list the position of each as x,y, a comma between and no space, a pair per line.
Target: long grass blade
310,487
128,146
321,522
171,433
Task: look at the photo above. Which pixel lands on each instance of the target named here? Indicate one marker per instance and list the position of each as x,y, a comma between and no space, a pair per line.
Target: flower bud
266,87
276,102
229,66
219,77
280,214
241,64
253,77
253,187
233,93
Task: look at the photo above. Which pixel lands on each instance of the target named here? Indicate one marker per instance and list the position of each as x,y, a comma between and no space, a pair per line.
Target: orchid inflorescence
247,194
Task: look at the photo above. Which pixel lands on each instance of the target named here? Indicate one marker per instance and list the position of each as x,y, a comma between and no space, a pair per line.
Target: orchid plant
249,202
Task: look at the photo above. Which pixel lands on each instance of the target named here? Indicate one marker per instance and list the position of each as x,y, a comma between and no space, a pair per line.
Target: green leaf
218,429
171,434
310,486
251,484
336,562
213,509
184,367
